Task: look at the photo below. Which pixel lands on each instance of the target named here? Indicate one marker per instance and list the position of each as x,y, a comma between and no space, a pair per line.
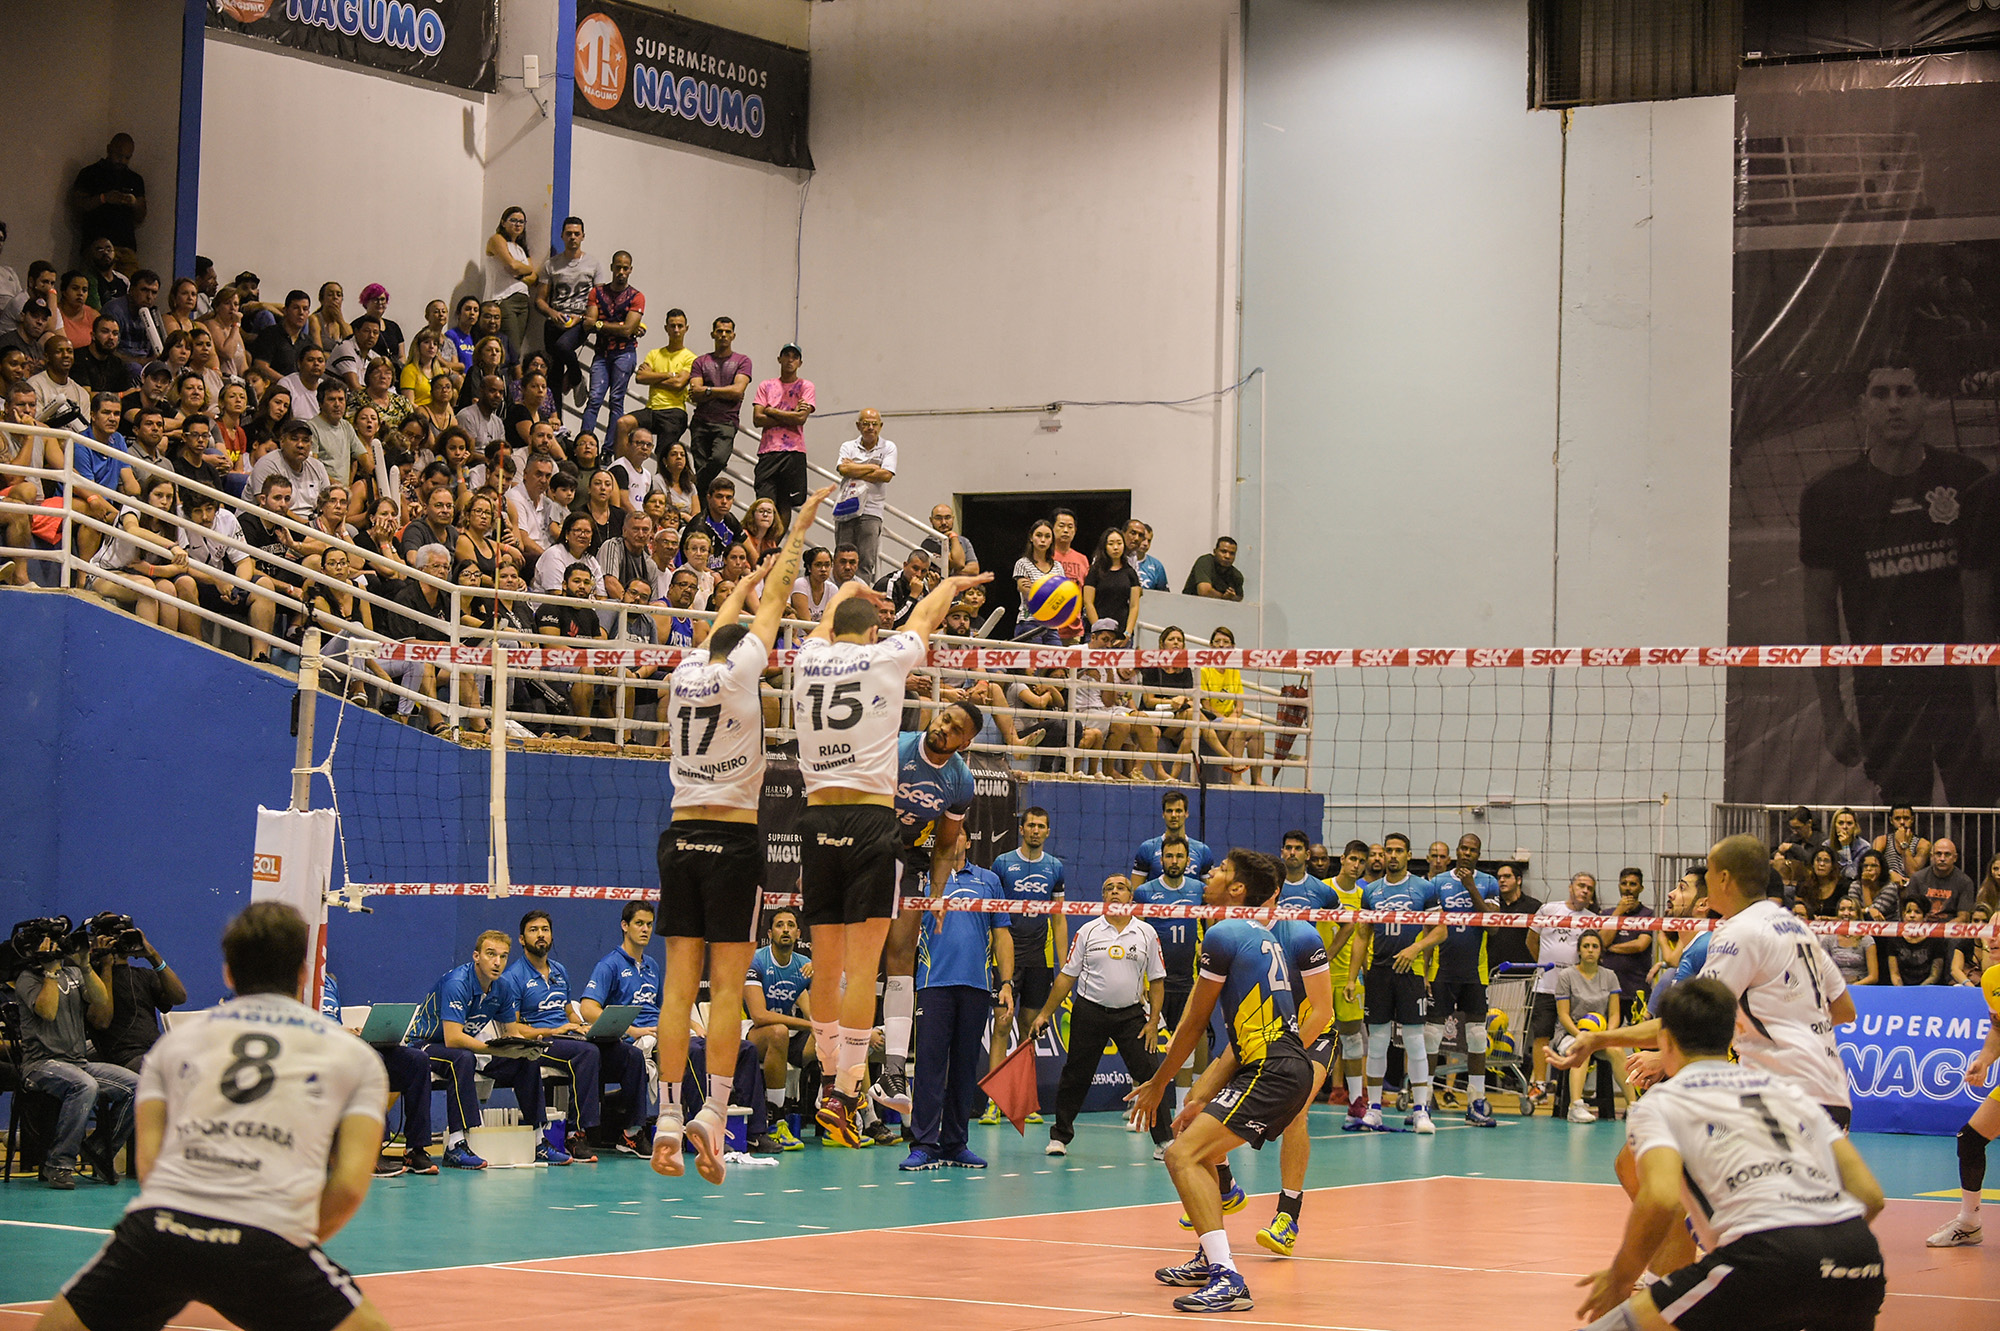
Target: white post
496,803
307,701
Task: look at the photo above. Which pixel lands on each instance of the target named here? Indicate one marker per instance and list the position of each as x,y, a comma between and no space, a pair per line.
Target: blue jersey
1305,954
1693,957
457,997
782,985
619,981
1413,893
1180,937
1147,862
1308,893
329,997
1031,880
1257,1002
959,948
532,999
1462,954
928,793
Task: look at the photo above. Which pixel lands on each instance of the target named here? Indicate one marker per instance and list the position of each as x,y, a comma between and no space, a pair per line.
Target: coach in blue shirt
958,955
627,977
463,1008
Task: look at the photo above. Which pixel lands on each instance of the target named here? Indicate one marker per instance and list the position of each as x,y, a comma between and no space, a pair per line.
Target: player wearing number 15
258,1127
712,856
847,701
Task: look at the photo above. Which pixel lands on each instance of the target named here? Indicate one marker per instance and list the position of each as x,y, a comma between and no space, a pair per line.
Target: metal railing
466,688
1975,831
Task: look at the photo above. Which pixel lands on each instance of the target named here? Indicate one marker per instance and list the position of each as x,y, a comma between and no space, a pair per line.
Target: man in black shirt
137,996
574,621
1882,539
1510,946
98,366
191,456
279,540
426,602
907,585
110,199
275,354
434,527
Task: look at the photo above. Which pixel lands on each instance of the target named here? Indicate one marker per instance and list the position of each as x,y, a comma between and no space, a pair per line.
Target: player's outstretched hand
862,591
1605,1294
804,517
1576,1055
1143,1102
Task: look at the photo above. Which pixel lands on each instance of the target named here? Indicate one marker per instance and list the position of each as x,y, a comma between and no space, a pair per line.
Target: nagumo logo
383,22
697,99
601,62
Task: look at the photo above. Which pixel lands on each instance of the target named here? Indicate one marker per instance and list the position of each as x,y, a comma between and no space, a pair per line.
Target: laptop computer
612,1022
388,1022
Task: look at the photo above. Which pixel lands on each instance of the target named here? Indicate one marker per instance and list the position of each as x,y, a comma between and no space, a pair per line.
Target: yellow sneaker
992,1115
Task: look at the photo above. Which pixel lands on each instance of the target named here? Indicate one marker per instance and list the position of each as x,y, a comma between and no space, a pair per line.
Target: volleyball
1496,1024
1590,1021
1055,600
1501,1046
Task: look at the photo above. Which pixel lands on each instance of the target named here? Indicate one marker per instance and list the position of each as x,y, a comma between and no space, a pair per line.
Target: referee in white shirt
1120,980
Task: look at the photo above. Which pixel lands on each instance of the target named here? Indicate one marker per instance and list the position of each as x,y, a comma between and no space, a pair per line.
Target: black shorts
711,880
158,1261
1263,1098
847,863
1393,995
1816,1277
1032,983
1325,1049
795,1048
781,478
668,424
1542,1017
1173,1005
1463,996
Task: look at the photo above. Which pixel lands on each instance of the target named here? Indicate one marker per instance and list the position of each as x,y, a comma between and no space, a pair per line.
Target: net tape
1174,911
1911,654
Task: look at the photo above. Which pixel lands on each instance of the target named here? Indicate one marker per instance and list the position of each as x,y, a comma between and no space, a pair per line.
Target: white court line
39,1224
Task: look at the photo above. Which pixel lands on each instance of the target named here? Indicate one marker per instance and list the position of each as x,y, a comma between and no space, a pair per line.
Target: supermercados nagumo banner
1906,1055
443,41
669,76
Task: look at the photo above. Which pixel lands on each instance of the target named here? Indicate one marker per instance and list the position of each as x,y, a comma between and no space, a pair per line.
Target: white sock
853,1046
826,1036
1374,1096
899,1002
1968,1206
718,1093
1180,1098
670,1105
1417,1076
1215,1244
1355,1091
452,1139
776,1095
1475,1085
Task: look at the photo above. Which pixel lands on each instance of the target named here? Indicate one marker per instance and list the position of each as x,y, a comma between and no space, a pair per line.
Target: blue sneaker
1479,1114
920,1159
461,1157
1279,1236
546,1154
963,1158
1232,1201
1195,1274
1225,1294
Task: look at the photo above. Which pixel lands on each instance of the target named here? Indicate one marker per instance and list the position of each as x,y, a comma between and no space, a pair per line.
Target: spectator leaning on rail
1215,574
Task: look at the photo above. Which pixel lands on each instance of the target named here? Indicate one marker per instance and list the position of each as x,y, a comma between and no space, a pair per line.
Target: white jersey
715,722
1559,943
1784,985
255,1090
847,703
1756,1152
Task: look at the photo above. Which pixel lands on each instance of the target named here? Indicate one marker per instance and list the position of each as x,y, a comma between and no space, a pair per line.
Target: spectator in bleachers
372,464
98,366
1062,549
225,324
488,357
1852,954
209,557
434,527
276,351
1111,588
55,384
627,976
19,450
1105,713
553,569
41,282
329,523
715,395
10,281
59,1003
510,275
334,441
867,464
1988,892
273,410
952,552
719,521
428,613
477,544
275,541
531,417
736,566
375,303
815,587
676,482
1215,574
426,366
201,361
586,459
146,551
231,431
568,275
607,515
1902,849
74,312
763,529
683,590
614,312
1946,890
1821,886
464,1008
108,469
907,585
141,334
258,313
532,510
1223,700
293,459
485,421
664,374
1138,544
463,335
100,261
1037,561
628,558
1915,961
304,383
146,441
194,456
180,314
110,199
628,470
696,546
36,321
327,325
783,406
348,360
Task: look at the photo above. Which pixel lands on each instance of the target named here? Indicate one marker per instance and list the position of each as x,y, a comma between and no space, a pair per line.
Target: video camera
126,940
23,948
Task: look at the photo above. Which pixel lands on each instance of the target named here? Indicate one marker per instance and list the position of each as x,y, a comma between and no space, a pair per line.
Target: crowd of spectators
447,450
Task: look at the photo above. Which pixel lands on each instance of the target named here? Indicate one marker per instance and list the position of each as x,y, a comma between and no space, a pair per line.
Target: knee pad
1475,1039
1433,1037
1353,1041
1378,1051
1971,1159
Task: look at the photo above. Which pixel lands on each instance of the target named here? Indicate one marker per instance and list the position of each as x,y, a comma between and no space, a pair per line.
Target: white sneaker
1960,1233
1582,1113
1159,1152
1055,1148
1420,1122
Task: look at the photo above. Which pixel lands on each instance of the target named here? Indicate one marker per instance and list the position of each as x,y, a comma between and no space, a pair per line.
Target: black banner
1778,28
442,41
669,76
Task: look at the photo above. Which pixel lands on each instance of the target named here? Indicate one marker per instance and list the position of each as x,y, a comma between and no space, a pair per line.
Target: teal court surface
1397,1232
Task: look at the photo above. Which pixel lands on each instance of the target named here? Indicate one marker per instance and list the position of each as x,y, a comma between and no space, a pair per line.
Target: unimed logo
264,868
601,63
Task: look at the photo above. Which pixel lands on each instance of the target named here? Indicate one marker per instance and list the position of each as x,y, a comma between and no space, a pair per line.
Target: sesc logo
601,63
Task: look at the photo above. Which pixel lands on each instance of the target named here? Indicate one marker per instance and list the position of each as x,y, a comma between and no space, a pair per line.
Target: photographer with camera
59,994
137,996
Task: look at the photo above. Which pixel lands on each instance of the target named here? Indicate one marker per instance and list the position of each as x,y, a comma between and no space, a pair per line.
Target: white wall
1017,203
396,196
102,66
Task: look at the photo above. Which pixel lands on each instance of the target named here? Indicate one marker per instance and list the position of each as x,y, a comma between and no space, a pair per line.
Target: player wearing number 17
847,704
1242,966
259,1123
712,856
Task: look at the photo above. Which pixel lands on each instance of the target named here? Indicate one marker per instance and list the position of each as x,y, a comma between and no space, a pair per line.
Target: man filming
58,995
137,996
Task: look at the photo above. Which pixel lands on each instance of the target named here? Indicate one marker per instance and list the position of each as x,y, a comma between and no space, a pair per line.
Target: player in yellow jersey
1350,963
1963,1229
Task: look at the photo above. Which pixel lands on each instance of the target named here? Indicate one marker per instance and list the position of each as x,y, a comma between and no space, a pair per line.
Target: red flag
1011,1086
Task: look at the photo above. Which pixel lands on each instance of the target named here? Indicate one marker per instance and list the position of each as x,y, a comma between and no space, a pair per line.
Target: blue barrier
1906,1054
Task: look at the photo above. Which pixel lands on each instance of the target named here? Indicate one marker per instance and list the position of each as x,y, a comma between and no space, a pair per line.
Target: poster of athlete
1863,434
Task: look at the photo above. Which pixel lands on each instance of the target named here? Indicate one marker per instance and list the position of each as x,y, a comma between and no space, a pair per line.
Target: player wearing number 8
240,1112
712,857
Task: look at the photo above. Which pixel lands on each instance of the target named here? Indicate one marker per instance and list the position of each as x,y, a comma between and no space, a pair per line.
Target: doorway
997,525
